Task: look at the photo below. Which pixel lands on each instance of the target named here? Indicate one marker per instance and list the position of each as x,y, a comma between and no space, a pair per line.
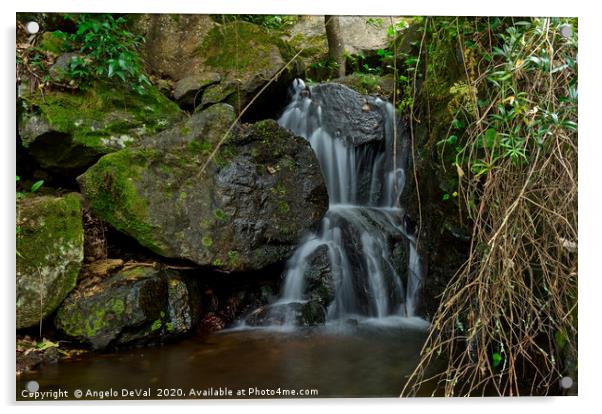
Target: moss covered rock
369,84
135,306
247,210
70,130
247,56
50,250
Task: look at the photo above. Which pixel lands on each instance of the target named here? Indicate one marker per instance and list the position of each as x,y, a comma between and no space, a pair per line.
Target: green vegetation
501,95
34,187
268,21
105,50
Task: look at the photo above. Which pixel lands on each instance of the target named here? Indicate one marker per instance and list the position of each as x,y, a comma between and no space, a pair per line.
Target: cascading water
362,164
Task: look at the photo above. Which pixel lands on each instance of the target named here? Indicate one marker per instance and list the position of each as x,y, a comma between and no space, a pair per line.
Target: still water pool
365,359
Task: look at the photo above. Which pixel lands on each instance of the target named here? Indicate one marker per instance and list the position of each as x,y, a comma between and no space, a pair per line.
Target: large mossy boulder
247,57
257,196
69,130
211,62
139,305
50,250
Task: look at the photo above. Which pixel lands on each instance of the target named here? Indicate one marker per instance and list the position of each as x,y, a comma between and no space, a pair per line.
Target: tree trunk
336,49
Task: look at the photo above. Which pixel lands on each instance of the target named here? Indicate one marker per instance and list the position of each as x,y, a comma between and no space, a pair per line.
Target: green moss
240,47
205,224
233,257
222,92
76,324
223,157
110,188
166,169
51,42
50,252
199,147
185,130
157,324
279,189
283,206
315,47
104,117
137,272
220,214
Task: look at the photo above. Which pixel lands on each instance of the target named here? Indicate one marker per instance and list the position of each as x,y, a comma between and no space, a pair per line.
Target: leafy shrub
106,49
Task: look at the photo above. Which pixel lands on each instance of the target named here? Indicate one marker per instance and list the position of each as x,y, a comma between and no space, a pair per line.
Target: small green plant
377,22
269,21
34,187
106,50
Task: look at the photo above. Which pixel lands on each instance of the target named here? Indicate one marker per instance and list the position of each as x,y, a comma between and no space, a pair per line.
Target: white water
364,183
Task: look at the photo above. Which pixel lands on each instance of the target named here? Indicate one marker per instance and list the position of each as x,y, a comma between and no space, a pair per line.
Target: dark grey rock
260,193
348,115
189,90
298,313
135,306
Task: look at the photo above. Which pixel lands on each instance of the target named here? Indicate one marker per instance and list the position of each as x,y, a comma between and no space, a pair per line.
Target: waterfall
363,167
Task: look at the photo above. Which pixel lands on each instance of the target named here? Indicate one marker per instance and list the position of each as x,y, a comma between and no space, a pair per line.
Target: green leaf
490,135
570,125
36,186
457,124
496,359
561,339
445,197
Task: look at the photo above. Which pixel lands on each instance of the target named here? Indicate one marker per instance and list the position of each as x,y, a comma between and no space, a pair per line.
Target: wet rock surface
134,306
357,119
260,193
299,313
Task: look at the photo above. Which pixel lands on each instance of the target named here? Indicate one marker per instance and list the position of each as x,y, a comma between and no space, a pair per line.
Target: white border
590,152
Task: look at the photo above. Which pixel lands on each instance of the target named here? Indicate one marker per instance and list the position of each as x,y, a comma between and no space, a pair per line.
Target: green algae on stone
68,130
49,254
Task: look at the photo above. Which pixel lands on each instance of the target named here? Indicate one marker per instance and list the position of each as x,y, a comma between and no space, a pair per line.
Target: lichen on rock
134,306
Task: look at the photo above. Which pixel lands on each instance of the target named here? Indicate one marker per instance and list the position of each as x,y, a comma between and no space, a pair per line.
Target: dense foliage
266,20
102,48
507,323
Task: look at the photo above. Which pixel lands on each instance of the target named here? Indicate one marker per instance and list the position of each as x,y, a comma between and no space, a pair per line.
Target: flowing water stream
363,167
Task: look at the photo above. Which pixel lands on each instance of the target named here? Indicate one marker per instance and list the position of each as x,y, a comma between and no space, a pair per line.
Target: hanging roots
507,321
